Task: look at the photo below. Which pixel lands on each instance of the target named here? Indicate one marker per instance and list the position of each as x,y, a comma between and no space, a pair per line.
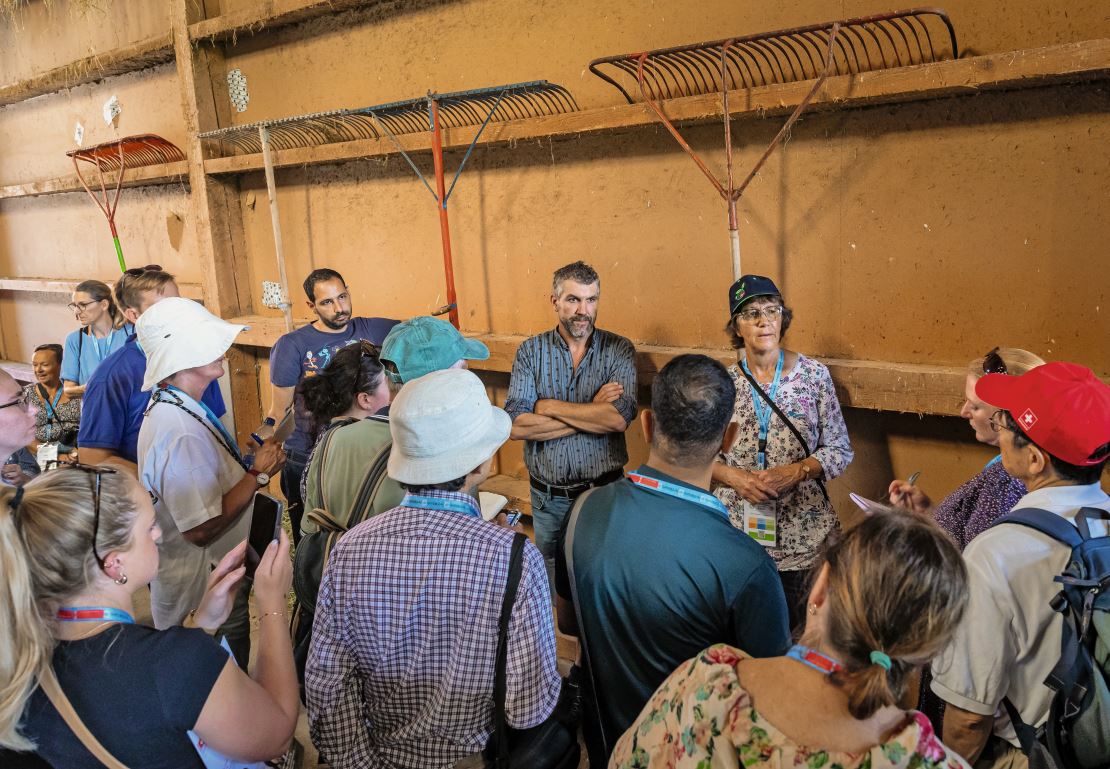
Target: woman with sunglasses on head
76,544
887,599
973,507
103,331
772,480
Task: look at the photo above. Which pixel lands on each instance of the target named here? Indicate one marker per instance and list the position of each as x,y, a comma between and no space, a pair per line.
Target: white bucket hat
443,426
177,334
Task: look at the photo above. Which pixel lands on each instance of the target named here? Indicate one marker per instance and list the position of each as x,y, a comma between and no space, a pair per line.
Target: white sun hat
443,426
178,334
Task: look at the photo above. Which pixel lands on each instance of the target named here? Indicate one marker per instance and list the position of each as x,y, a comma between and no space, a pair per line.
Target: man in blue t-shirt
112,411
660,572
304,352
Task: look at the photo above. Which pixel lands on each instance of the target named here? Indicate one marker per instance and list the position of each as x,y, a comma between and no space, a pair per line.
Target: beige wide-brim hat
178,334
443,426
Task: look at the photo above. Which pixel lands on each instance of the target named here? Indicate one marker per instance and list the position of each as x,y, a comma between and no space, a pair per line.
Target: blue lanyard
215,420
994,461
814,659
52,407
763,410
93,614
681,492
421,502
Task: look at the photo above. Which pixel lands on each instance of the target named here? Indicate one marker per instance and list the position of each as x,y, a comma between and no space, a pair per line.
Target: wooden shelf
1068,63
876,385
145,53
167,173
268,16
64,286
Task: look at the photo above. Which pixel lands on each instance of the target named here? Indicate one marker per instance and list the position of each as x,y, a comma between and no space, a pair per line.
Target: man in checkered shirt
401,668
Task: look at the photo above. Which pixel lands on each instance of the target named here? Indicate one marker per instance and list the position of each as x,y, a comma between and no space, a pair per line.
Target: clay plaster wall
923,233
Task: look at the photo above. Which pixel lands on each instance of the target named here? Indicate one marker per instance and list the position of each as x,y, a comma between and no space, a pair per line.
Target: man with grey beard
571,397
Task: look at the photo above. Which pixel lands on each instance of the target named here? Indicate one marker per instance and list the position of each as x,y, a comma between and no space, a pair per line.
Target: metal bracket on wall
814,52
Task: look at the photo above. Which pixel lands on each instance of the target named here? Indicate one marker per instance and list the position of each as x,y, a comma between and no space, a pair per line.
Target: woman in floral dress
777,495
888,598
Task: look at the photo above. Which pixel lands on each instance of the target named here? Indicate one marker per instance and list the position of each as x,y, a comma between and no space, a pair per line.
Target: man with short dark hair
659,571
114,402
1054,432
400,672
571,396
302,353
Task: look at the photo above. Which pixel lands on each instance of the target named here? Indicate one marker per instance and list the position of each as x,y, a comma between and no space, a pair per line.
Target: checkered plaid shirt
400,671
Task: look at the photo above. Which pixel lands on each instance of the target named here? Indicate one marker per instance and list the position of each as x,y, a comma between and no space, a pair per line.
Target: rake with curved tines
478,107
814,52
119,155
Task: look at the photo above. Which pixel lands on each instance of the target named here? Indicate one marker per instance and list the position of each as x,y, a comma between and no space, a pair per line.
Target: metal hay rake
434,112
814,52
120,155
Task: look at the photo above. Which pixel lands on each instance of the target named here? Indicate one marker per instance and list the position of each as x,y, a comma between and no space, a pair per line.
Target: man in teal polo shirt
659,571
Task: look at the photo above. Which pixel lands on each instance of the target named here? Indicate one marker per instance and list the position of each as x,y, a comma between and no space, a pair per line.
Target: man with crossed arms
571,397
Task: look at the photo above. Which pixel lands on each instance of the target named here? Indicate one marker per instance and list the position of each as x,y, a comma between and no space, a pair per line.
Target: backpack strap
568,550
500,684
1046,522
1026,734
375,471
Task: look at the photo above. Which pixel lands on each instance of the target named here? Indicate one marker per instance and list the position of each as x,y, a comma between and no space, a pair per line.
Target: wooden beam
1071,62
166,173
62,286
269,15
876,385
221,243
145,53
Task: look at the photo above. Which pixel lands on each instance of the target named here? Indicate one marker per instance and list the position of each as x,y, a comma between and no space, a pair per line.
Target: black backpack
315,547
1077,732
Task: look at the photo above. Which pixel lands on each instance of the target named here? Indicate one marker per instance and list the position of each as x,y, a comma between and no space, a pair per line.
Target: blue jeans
291,488
237,628
549,520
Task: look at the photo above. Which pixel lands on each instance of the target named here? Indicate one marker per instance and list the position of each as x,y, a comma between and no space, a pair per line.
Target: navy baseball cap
749,287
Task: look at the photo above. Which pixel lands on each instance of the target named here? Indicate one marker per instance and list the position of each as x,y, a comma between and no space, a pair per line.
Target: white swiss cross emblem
1027,419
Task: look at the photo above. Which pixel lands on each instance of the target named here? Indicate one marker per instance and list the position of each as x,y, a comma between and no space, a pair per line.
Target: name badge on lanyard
761,522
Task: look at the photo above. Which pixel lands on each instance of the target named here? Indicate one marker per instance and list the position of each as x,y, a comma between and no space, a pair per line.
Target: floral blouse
63,427
701,718
804,517
971,509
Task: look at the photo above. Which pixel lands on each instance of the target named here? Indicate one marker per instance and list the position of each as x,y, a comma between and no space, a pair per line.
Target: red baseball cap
1062,407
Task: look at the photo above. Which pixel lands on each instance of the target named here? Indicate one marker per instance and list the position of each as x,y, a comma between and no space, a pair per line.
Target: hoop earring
813,608
122,580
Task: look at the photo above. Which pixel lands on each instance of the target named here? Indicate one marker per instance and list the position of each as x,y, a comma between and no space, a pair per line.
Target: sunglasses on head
136,272
99,472
993,363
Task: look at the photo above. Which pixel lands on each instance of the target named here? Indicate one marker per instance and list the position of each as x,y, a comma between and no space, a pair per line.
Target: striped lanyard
93,614
421,502
763,410
681,492
224,437
814,659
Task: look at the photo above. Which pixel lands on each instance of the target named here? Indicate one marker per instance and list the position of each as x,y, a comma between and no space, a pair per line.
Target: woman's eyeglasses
770,311
23,401
993,363
996,421
80,306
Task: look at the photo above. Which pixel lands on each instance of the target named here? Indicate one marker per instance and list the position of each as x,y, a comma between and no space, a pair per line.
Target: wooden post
217,215
275,221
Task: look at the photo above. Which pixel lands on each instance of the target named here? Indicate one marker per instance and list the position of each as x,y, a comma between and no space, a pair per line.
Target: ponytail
353,369
897,591
46,557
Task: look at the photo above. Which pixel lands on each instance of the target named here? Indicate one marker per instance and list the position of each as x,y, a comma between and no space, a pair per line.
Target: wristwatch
262,479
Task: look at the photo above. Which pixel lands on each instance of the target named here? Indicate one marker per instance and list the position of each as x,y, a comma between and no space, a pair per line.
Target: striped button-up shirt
543,369
400,671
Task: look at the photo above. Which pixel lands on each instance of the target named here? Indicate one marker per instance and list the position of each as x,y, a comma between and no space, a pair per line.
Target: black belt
578,489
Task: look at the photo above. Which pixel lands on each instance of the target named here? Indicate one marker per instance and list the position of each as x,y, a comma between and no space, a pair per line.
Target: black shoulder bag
552,744
797,434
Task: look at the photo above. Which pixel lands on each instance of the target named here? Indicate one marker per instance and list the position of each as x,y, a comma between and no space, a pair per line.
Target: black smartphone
265,524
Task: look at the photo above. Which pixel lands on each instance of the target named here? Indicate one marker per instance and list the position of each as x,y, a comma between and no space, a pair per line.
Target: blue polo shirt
659,579
112,411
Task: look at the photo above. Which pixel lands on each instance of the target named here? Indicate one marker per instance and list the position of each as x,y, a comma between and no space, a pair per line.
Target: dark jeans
291,488
796,586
